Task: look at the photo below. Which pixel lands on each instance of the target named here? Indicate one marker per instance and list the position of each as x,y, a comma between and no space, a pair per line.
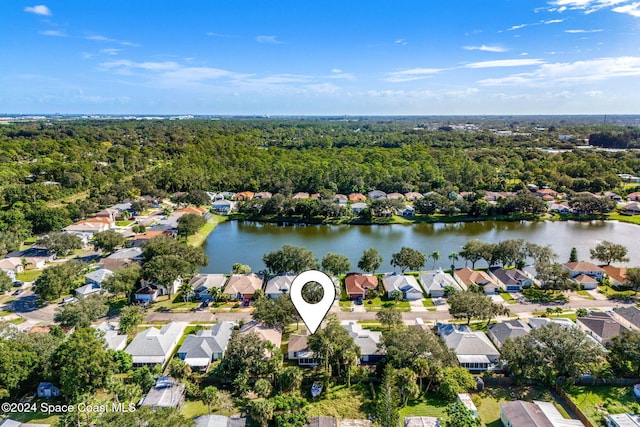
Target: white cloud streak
583,31
38,10
486,48
590,6
269,40
54,33
505,63
411,74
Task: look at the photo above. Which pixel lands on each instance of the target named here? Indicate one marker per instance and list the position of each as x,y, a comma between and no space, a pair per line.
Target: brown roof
264,332
357,197
582,266
300,195
615,273
603,325
547,191
244,195
525,414
245,284
583,278
322,422
298,342
151,235
190,209
357,283
474,277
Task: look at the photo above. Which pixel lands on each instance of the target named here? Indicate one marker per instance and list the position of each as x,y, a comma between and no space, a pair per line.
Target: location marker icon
312,314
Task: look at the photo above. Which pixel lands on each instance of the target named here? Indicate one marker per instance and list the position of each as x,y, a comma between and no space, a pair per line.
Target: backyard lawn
596,401
377,304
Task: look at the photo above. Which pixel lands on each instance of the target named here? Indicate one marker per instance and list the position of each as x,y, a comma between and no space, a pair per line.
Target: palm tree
186,290
350,358
209,396
453,256
435,256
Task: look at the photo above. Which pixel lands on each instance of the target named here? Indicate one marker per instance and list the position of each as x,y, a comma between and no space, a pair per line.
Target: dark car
17,292
358,301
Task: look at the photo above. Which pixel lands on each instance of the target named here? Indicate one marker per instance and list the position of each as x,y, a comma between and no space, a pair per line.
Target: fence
573,407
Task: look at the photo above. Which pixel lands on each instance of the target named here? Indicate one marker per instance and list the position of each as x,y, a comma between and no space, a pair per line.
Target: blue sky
422,57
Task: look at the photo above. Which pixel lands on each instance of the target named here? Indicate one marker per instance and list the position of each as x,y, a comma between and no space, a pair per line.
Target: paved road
25,307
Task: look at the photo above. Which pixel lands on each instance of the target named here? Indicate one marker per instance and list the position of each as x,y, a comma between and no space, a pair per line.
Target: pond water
246,242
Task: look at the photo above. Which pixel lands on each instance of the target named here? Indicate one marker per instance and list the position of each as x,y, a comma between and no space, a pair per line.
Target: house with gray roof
223,207
198,350
435,282
407,285
367,340
500,332
377,194
512,280
600,326
538,322
279,285
519,413
110,334
220,421
473,349
203,283
97,277
356,208
421,422
298,349
629,316
168,392
154,346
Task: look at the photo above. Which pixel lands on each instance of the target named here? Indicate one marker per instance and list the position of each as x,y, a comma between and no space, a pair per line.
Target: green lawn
28,275
593,401
428,303
584,294
342,402
377,304
199,238
633,219
177,304
345,305
427,406
125,223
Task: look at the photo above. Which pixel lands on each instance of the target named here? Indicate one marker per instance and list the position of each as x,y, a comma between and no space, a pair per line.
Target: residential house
512,280
623,420
13,265
467,277
243,195
265,333
601,326
561,208
298,349
301,195
519,413
139,240
203,283
473,349
377,194
200,349
340,199
47,390
110,213
586,282
357,285
146,294
154,346
11,274
243,286
97,277
356,208
631,208
546,193
121,258
407,285
500,332
584,267
279,285
436,282
263,195
222,207
531,272
357,197
413,196
633,197
111,337
168,392
422,422
539,322
366,340
628,316
85,229
613,196
191,210
395,196
408,211
220,421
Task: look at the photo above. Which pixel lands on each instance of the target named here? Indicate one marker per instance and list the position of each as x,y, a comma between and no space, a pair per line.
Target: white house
206,345
154,346
435,282
223,207
279,285
407,285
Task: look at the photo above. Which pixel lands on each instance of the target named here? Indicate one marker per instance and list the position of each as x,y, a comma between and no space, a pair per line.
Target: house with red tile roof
616,274
467,277
357,285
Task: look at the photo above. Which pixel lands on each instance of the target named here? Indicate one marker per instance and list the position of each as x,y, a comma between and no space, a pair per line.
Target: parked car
17,292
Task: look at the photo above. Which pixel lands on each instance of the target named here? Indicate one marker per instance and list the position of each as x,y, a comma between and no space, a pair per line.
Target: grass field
199,238
377,304
595,401
342,402
633,219
28,275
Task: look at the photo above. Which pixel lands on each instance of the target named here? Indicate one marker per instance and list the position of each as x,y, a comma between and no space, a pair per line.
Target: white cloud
99,38
583,31
486,48
268,40
553,21
632,9
505,63
590,6
212,34
411,74
573,72
54,33
38,10
401,41
336,70
110,51
517,27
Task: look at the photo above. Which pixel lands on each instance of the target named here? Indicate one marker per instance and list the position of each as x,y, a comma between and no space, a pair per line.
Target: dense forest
56,171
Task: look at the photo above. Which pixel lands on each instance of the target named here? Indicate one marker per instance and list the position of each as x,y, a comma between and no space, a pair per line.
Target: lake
246,242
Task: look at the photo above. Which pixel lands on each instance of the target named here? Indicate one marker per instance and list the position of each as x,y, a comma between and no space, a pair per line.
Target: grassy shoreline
433,219
199,238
